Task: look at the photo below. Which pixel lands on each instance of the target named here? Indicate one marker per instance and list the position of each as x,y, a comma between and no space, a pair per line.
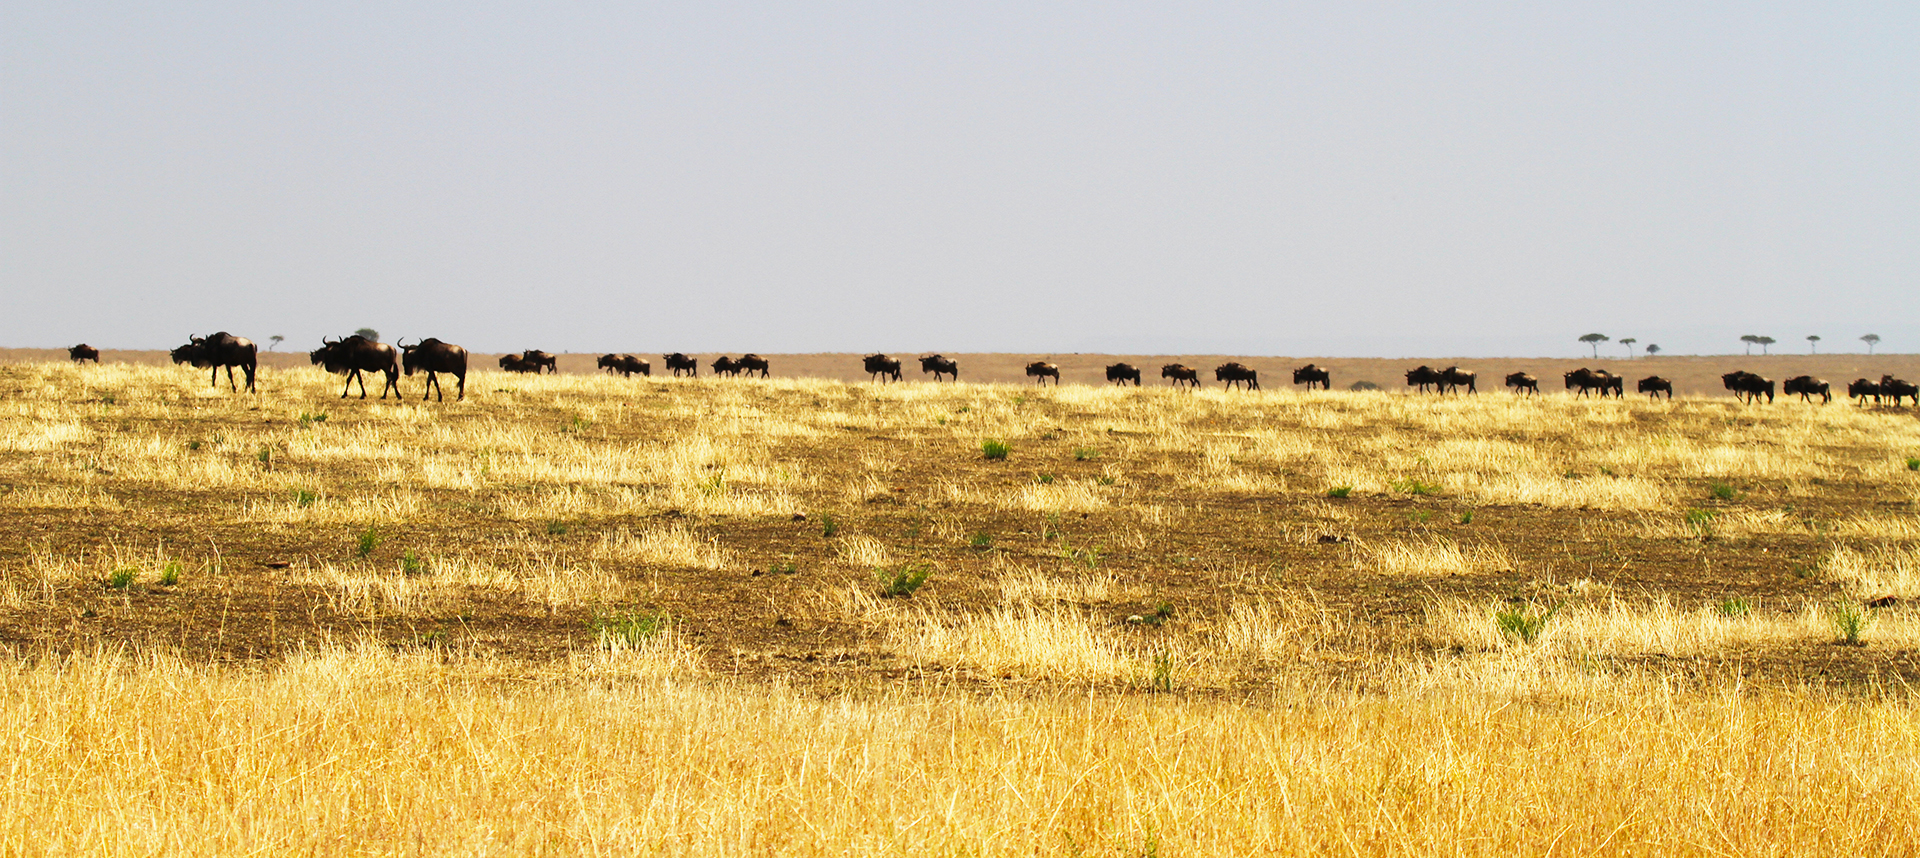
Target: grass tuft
1850,622
1522,622
994,448
902,582
1339,491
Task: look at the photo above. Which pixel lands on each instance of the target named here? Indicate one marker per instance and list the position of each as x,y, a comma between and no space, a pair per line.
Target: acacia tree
1628,342
1871,340
1653,348
1595,340
274,340
1813,344
1749,339
369,333
1764,342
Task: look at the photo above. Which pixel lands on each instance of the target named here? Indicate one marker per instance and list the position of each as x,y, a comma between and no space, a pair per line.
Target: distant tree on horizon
1871,340
1764,342
1595,340
1749,339
1628,342
1653,348
369,333
275,340
1813,344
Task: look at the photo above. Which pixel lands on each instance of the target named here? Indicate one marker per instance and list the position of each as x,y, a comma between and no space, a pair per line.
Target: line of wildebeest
356,354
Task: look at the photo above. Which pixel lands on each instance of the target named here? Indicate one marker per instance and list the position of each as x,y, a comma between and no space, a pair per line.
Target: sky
1341,179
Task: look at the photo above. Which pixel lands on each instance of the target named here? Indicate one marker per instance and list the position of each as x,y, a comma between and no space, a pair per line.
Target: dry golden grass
590,615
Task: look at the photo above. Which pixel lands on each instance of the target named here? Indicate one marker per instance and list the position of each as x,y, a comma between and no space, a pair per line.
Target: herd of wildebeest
356,355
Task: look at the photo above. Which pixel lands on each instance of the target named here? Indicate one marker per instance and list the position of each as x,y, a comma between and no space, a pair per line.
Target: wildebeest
1237,373
1121,373
1523,381
1747,386
1421,377
679,362
880,366
1596,379
518,363
357,354
940,365
1040,371
624,364
1808,387
751,363
1896,389
83,353
432,356
221,349
1452,377
724,365
1311,375
541,360
1180,372
1653,386
1861,388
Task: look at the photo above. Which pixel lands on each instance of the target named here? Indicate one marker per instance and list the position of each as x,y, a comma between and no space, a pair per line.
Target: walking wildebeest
724,365
1452,377
357,354
1180,372
880,366
432,356
940,365
221,349
1311,375
1596,379
542,360
1040,371
1808,386
518,363
624,364
1897,389
1653,386
1421,376
1523,381
83,353
1237,373
678,362
1748,387
751,363
1861,388
1121,373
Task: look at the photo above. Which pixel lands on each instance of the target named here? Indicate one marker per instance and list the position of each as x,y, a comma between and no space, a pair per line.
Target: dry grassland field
580,614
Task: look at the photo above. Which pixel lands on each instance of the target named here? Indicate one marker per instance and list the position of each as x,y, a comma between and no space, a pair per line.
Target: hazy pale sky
1259,178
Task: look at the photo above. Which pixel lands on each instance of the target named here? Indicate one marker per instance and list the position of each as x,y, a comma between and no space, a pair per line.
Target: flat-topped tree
1764,342
1813,344
1871,340
1595,340
1628,342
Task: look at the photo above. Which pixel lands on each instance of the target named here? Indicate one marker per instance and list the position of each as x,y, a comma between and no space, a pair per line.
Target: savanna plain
581,614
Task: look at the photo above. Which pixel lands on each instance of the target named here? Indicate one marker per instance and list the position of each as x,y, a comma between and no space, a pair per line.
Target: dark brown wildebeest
679,362
1040,371
1121,373
1180,372
1653,386
1421,377
1896,389
432,356
751,363
940,365
1237,373
1523,381
1453,377
1808,387
1861,388
1311,375
624,364
357,354
541,360
1748,387
221,349
83,353
724,365
1596,379
881,367
518,363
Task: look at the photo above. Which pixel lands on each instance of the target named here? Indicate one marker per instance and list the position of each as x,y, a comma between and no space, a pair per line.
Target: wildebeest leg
462,378
393,382
430,385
